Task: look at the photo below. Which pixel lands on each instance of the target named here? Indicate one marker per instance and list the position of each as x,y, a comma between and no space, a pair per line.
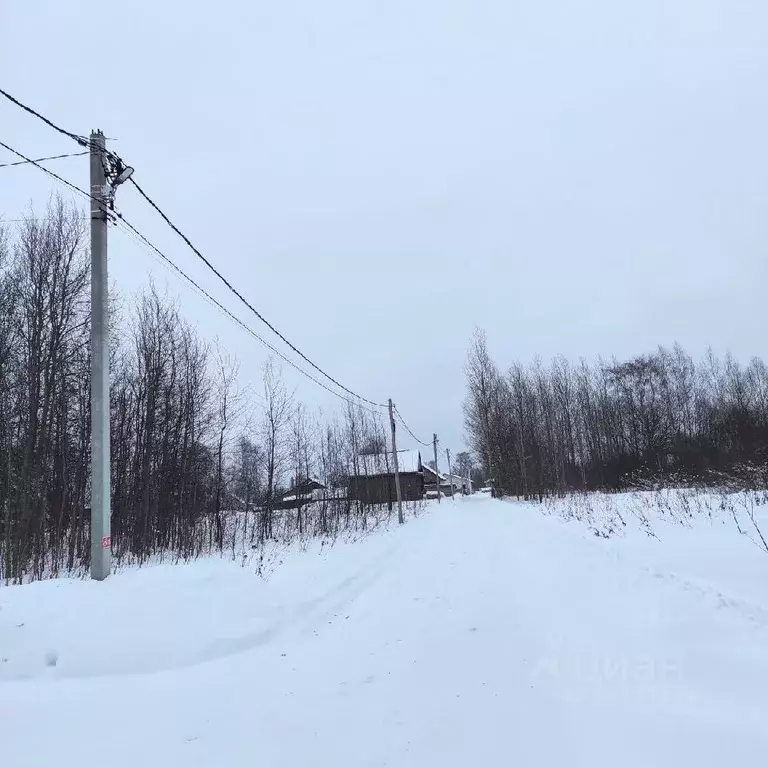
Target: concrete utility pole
400,518
450,473
437,471
101,540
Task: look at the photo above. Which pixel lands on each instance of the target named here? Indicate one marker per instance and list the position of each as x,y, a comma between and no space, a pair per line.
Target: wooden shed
374,478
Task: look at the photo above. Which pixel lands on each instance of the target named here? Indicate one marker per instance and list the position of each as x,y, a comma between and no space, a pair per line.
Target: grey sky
579,178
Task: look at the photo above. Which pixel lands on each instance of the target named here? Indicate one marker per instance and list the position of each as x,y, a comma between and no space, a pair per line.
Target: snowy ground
483,633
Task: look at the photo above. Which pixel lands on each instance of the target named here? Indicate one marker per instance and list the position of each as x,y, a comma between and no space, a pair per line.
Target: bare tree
463,463
482,401
228,399
278,407
42,332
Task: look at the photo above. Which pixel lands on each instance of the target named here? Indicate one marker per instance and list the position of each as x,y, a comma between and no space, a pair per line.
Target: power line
79,139
408,430
85,142
201,291
120,218
214,302
46,170
43,159
245,301
35,218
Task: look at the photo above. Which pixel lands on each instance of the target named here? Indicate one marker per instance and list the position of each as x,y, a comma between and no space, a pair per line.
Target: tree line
197,462
658,418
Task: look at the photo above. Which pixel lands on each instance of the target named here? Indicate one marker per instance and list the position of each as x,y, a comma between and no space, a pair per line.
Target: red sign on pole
106,542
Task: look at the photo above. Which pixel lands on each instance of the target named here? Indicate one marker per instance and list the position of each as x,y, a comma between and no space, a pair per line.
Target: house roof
303,489
432,474
373,464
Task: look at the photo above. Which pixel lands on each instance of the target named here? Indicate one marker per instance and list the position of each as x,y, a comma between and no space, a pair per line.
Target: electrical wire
49,172
34,218
129,228
85,142
43,159
408,429
79,139
245,301
119,218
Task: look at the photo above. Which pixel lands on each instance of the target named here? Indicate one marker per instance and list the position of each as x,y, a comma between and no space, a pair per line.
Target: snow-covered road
479,634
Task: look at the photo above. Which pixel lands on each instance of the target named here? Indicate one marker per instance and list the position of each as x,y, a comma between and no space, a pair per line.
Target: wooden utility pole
450,473
400,518
437,471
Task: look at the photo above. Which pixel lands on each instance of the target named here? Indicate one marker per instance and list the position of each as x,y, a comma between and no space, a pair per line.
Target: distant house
431,481
456,484
305,492
373,481
449,484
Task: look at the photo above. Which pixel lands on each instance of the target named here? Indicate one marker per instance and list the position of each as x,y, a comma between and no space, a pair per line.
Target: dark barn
374,482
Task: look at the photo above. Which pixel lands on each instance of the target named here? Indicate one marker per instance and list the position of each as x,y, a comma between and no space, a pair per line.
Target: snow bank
710,542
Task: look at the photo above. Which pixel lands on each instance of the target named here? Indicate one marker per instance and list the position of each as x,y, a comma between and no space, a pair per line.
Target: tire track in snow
305,617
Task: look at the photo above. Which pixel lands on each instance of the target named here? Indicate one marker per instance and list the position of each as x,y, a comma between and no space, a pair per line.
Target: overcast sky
586,178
